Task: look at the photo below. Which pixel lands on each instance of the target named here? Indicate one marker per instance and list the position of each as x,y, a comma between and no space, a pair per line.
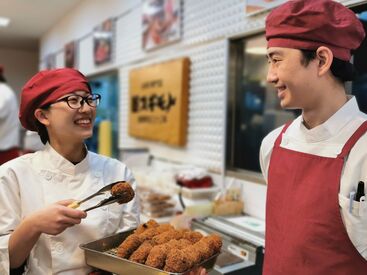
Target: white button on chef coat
33,181
58,248
327,140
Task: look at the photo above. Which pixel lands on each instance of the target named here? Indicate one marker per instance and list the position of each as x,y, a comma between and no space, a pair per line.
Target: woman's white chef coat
35,180
328,140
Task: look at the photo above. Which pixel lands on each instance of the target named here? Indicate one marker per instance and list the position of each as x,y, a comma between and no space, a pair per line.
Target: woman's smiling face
65,123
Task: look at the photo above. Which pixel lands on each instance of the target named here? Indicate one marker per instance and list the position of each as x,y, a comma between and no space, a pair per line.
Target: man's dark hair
342,70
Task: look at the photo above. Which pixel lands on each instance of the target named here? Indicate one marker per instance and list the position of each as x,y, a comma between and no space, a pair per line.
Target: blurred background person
31,142
9,122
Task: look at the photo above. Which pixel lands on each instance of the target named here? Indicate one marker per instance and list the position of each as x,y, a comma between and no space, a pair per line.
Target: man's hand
198,271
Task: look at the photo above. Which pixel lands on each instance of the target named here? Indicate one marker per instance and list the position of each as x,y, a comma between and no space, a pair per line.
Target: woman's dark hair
342,70
41,129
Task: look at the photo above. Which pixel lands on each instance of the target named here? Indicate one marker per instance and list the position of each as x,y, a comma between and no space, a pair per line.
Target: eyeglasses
77,101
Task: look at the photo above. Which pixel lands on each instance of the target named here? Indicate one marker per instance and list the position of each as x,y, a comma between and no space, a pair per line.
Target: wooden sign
158,102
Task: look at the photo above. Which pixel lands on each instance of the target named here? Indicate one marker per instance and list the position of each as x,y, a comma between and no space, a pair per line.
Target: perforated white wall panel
206,20
206,108
129,37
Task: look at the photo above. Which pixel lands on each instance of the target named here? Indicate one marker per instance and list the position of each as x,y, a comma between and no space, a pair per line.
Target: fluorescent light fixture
4,21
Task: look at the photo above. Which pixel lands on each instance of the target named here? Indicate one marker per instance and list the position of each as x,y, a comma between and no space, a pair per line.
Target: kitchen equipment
243,243
103,190
102,254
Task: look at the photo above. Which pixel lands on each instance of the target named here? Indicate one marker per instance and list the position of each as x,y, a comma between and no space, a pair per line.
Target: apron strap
279,138
353,140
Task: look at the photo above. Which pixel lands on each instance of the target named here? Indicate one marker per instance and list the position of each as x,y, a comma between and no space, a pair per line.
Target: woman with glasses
37,228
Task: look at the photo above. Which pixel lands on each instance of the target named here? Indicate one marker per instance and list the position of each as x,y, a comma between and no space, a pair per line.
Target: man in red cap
313,164
9,124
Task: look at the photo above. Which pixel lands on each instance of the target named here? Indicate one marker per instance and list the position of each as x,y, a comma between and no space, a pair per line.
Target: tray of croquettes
153,249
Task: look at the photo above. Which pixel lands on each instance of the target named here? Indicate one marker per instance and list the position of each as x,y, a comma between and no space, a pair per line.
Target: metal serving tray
102,254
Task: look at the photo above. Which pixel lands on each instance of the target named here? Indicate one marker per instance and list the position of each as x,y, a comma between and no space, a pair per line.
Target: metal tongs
104,190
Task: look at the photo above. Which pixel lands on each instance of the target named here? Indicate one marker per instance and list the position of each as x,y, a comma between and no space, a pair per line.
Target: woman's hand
52,220
55,218
198,271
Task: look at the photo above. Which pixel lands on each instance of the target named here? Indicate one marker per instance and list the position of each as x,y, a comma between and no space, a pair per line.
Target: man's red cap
307,25
45,88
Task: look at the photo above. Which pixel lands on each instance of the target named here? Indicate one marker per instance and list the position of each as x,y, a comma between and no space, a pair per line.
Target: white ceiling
30,19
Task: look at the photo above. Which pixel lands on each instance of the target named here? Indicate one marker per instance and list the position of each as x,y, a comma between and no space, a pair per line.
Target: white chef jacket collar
333,125
57,161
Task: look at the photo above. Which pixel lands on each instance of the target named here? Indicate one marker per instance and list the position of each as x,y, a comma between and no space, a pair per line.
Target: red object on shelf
195,183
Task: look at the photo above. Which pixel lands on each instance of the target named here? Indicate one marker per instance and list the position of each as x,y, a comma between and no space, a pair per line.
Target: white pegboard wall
85,56
206,110
128,35
209,19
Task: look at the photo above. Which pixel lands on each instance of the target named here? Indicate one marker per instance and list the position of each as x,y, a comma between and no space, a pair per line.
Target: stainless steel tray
102,254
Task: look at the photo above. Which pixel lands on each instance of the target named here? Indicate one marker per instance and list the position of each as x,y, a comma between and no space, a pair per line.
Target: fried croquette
193,254
192,236
180,260
164,227
180,244
149,224
151,232
128,246
204,249
124,190
141,254
168,235
208,246
177,261
158,254
215,242
163,247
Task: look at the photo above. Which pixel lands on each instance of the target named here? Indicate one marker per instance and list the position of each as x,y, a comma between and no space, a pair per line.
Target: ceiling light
4,21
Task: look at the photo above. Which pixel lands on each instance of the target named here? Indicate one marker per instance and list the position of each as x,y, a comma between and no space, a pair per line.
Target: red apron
305,234
8,155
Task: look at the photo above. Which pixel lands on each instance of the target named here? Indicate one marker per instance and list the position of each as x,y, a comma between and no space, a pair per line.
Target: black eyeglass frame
84,99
